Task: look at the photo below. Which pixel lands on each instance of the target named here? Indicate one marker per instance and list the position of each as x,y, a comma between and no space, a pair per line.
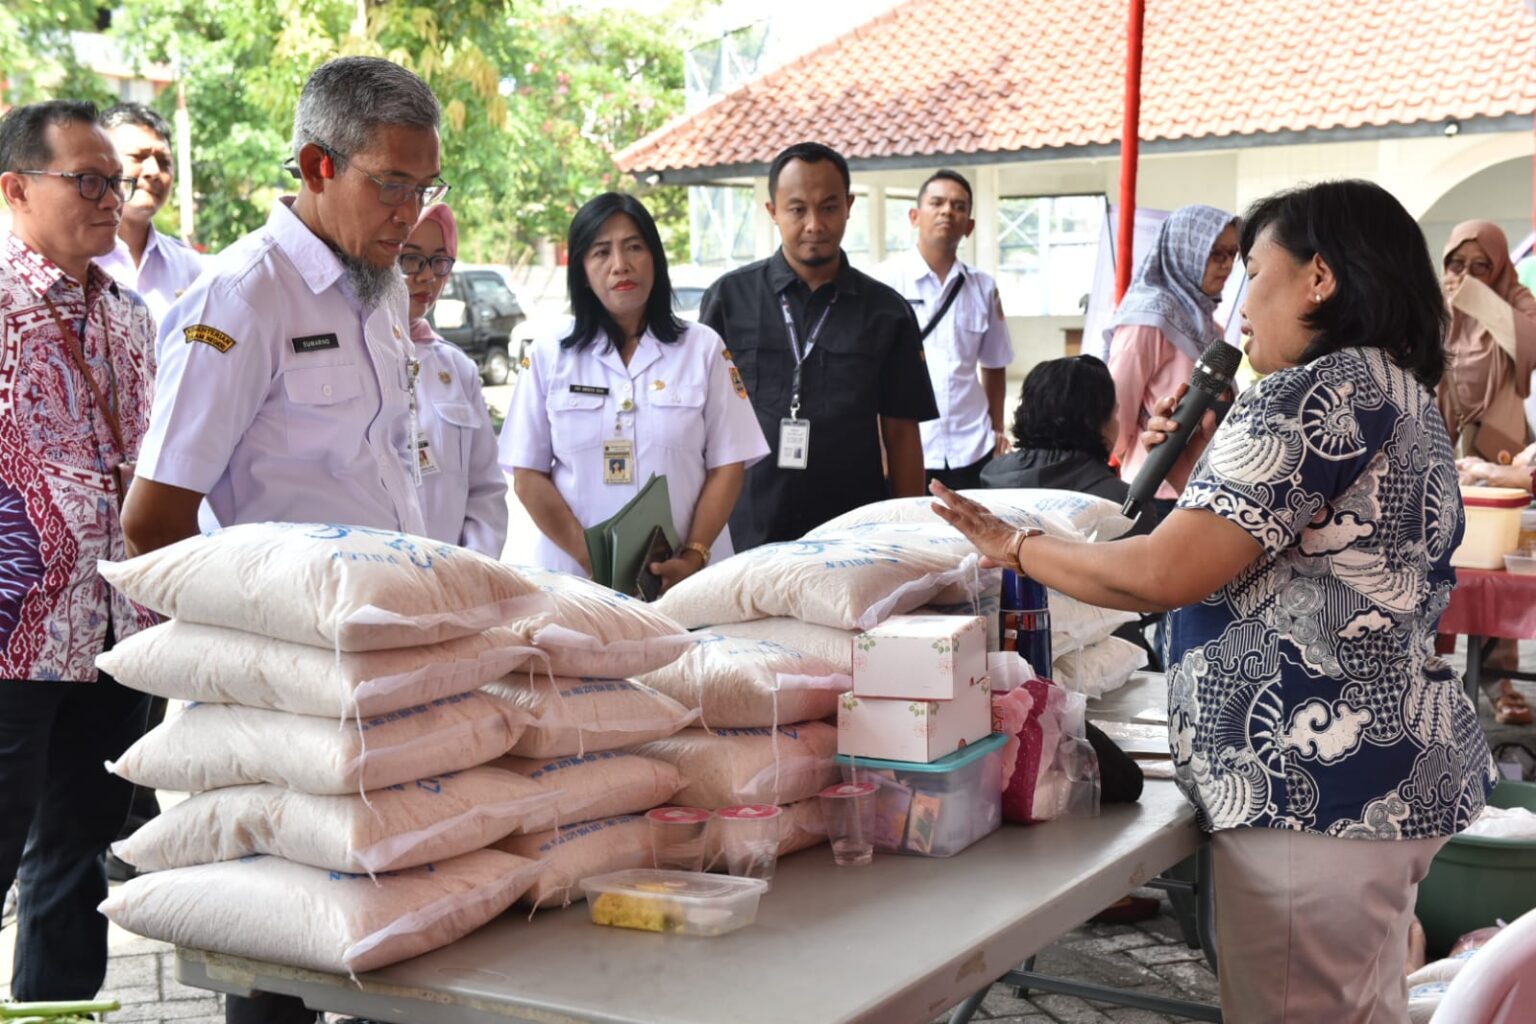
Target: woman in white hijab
1163,324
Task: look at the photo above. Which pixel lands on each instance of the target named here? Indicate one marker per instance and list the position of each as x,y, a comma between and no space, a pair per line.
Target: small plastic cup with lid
749,839
677,837
849,811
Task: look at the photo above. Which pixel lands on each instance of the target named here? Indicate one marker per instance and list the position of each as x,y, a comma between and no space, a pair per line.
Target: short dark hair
24,131
945,174
592,318
1388,294
346,101
137,113
806,152
1064,404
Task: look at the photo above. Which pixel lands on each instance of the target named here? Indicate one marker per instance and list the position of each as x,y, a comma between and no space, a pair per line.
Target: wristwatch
1016,542
699,549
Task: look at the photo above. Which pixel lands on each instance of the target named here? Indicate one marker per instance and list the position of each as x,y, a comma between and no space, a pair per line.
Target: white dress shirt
973,333
681,404
463,490
168,269
279,397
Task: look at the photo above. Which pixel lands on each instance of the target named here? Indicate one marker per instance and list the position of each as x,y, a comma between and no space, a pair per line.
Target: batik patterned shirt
1305,694
58,502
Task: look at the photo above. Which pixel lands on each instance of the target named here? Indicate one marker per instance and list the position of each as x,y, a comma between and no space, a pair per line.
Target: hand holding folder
618,544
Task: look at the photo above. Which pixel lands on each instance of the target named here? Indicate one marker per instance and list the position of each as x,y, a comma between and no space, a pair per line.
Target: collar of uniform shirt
918,268
781,275
42,275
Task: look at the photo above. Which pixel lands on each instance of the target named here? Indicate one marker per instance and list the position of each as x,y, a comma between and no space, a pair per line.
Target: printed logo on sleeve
315,343
211,336
737,383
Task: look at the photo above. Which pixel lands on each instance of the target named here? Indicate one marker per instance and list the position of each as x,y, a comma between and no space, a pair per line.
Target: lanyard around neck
794,346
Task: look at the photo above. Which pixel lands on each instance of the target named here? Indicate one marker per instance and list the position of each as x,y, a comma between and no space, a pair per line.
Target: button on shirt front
678,403
165,273
279,397
972,333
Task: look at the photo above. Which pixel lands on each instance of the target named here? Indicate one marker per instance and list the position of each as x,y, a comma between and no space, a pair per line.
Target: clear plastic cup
749,839
677,837
849,810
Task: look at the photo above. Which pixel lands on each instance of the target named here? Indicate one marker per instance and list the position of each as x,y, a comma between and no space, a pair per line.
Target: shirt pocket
319,401
575,421
459,424
677,416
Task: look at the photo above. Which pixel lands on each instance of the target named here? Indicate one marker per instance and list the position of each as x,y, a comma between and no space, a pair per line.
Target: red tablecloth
1487,603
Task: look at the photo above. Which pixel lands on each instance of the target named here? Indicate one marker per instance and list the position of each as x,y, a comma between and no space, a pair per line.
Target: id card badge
425,459
794,443
619,461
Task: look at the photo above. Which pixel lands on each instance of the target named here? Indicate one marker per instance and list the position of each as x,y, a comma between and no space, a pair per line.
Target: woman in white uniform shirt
625,391
463,491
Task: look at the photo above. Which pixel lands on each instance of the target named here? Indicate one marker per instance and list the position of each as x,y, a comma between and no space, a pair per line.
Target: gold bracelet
1017,544
699,549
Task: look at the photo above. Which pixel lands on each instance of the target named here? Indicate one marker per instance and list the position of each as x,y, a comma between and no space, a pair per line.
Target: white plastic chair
1498,985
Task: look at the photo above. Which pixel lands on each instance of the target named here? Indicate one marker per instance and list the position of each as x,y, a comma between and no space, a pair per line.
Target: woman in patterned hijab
1164,323
1325,746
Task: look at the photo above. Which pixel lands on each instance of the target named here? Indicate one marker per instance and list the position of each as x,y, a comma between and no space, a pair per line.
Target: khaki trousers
1314,930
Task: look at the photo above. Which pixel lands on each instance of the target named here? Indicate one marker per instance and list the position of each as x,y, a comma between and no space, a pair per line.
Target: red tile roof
950,77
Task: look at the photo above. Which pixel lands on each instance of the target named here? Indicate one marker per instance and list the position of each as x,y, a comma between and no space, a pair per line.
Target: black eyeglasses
93,186
414,263
398,193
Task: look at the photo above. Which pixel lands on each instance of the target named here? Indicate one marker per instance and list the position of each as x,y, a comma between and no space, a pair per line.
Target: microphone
1213,374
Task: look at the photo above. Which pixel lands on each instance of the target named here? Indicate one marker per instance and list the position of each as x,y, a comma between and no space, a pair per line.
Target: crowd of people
149,392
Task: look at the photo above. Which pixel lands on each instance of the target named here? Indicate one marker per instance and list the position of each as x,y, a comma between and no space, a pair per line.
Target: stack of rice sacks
588,719
336,749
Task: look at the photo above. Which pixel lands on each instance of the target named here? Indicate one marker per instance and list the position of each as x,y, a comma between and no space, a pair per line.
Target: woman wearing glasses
625,391
463,492
1161,327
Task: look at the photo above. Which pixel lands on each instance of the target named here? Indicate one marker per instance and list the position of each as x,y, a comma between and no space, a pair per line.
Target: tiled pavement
1149,957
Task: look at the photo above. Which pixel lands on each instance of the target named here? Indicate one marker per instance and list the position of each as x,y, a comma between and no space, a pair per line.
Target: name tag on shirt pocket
322,385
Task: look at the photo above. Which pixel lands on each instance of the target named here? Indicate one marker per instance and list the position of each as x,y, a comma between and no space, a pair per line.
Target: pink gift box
920,657
897,729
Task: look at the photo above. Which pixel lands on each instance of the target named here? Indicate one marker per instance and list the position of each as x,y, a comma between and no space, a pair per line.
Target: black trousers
59,810
966,478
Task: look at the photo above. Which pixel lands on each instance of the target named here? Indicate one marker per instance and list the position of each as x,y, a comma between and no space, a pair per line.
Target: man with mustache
76,364
156,266
963,327
287,393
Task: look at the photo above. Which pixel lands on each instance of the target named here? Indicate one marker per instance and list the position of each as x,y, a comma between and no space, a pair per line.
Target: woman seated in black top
1063,430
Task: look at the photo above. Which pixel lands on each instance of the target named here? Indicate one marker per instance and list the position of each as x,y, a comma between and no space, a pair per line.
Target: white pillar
876,214
765,237
184,193
984,238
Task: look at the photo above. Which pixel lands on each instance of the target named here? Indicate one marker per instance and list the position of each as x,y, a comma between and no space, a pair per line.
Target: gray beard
369,283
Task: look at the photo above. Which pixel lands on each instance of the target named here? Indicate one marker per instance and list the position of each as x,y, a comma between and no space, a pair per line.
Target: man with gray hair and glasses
287,388
76,365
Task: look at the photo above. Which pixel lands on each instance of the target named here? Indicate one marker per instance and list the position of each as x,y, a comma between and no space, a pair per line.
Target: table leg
964,1012
1474,676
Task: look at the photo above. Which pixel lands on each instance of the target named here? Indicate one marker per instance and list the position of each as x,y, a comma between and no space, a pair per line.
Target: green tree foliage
537,97
37,58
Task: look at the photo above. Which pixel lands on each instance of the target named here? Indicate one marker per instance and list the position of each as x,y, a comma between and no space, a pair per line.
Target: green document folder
617,545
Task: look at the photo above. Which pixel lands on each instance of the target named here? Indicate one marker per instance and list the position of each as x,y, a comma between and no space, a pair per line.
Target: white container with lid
1493,526
673,902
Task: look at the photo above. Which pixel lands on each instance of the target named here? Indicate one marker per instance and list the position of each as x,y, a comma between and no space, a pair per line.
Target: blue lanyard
794,346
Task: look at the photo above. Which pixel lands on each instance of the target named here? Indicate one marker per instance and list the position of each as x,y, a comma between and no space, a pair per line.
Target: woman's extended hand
990,534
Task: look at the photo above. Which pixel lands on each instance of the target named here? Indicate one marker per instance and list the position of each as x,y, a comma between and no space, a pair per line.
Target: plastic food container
1520,565
938,809
674,902
1493,526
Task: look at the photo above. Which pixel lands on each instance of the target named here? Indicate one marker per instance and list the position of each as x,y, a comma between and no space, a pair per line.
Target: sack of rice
594,632
339,587
750,766
1068,514
743,683
853,579
270,909
574,716
580,851
388,829
214,665
208,746
1099,668
603,784
833,646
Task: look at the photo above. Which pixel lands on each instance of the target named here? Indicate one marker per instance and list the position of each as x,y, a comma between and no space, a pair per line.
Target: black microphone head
1214,370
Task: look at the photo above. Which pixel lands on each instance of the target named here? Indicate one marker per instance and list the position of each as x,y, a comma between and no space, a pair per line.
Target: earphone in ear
327,168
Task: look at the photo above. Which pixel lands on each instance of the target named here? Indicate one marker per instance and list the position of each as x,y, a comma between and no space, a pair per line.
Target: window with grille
1047,246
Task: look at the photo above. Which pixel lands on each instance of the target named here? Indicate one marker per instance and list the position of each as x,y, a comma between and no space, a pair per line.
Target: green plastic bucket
1475,881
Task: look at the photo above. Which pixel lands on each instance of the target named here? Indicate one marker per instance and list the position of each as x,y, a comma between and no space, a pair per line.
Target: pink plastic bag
1049,769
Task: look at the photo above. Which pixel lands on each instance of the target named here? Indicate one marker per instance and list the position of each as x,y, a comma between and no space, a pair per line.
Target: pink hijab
421,330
